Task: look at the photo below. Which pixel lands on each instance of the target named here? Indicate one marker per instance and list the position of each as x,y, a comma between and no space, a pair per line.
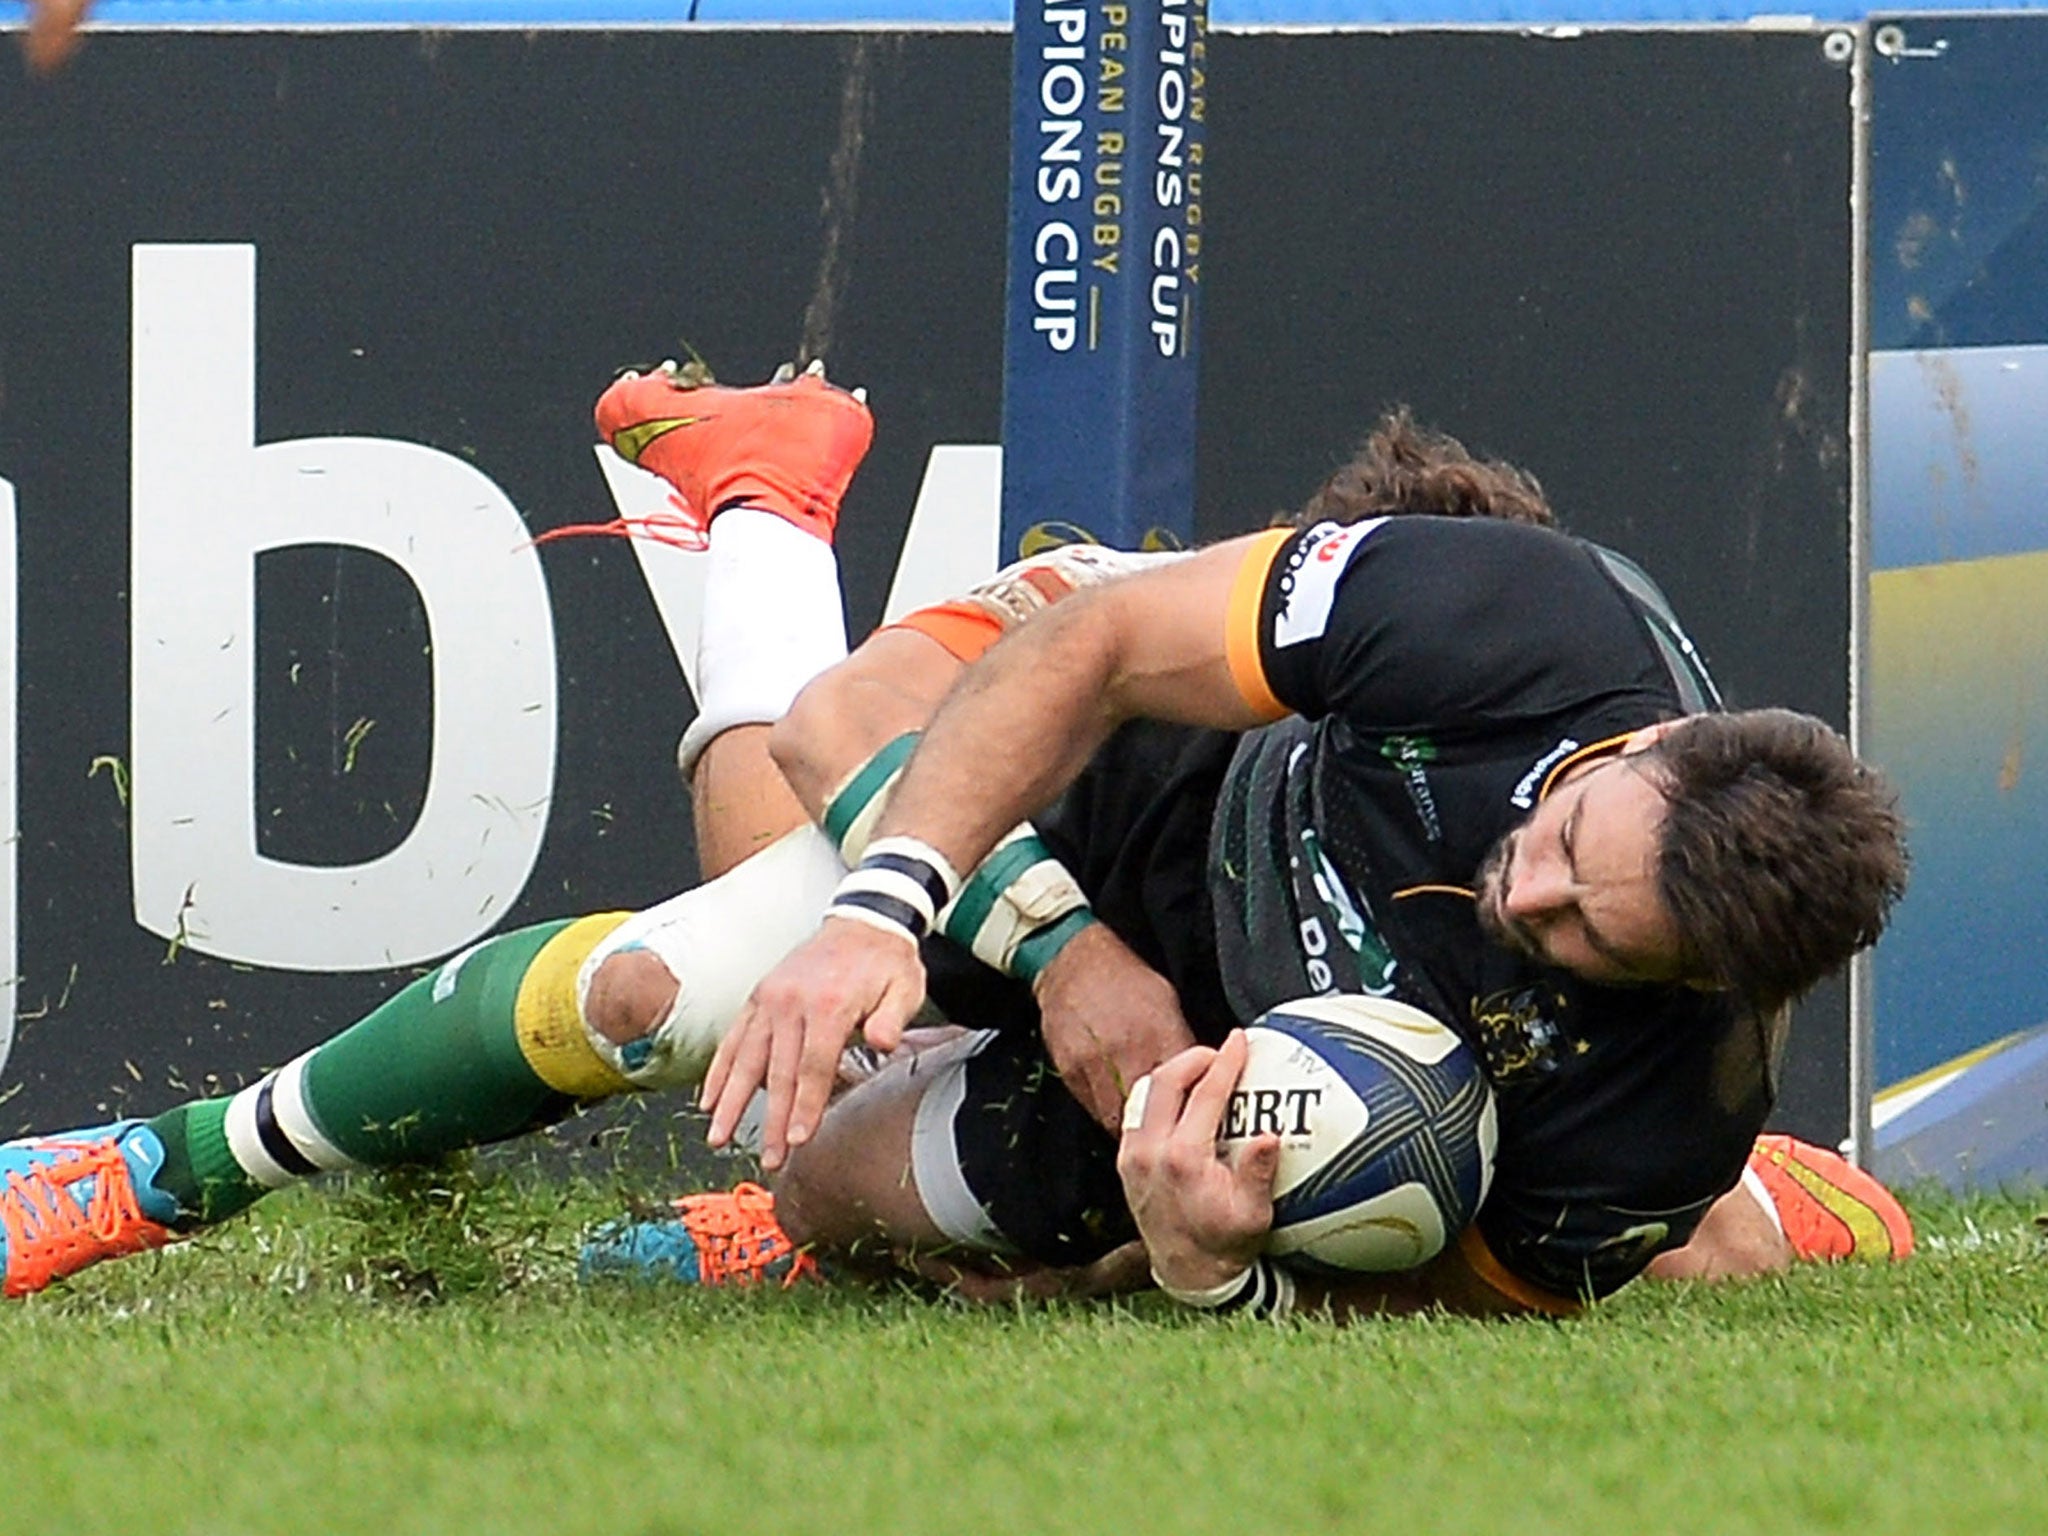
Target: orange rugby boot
789,446
1829,1208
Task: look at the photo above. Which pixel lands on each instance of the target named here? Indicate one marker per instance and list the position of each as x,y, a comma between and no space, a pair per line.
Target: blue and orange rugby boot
67,1201
721,1237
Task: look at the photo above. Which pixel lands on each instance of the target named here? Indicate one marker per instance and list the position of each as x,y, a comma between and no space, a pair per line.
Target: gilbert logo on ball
1387,1131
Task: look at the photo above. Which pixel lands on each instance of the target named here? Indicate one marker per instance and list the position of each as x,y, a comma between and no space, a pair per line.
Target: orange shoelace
679,529
738,1239
49,1235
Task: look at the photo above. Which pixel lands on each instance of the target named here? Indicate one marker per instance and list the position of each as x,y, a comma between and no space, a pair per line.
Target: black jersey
1443,674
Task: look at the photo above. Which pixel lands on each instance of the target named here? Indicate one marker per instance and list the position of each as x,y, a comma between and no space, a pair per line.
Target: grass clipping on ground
415,1354
428,1233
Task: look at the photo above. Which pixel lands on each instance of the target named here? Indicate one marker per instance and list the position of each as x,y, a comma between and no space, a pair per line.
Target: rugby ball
1387,1131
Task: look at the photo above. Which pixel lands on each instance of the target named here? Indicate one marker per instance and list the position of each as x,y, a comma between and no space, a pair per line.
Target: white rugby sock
773,620
271,1132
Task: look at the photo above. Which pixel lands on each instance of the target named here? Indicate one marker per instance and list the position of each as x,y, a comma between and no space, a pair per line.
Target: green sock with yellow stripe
487,1046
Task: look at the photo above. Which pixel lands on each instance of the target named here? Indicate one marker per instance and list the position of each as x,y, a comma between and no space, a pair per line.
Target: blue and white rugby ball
1387,1131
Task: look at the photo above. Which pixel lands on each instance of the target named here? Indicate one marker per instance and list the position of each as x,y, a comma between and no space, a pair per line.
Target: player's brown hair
1403,467
1781,854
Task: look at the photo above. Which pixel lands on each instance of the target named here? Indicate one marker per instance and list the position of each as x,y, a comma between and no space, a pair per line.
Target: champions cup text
1056,248
1177,175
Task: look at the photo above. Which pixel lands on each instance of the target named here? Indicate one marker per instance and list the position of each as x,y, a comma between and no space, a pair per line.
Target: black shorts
1007,1160
1134,831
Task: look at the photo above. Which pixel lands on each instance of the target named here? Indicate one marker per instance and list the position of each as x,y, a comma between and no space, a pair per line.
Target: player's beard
1489,894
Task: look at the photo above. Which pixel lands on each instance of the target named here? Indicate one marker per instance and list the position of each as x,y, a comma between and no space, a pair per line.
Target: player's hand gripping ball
1386,1125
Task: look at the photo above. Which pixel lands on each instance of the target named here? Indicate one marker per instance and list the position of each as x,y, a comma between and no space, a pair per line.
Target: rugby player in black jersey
1466,760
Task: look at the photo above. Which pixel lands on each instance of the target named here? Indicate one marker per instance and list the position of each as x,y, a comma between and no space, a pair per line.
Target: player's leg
738,802
899,674
872,1178
842,746
969,1163
747,664
862,1188
504,1037
771,623
966,1162
488,1045
507,1036
758,476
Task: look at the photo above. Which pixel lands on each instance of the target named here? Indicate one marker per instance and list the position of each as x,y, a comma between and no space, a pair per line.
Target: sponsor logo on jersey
1374,961
1308,585
1531,782
1412,755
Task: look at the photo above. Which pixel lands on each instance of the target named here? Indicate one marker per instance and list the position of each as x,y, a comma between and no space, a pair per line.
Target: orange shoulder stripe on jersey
1495,1274
964,629
1241,623
1605,747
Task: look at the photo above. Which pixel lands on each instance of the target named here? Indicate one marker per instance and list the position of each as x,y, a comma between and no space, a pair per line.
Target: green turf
339,1364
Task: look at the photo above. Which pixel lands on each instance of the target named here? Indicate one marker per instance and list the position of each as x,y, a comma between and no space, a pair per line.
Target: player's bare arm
1020,724
1013,732
1107,1017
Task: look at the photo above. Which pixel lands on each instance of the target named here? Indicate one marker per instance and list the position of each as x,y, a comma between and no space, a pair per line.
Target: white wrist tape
1263,1289
1018,908
1216,1296
900,886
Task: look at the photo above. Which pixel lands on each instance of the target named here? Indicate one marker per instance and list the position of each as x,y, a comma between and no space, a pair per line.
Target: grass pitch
351,1360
